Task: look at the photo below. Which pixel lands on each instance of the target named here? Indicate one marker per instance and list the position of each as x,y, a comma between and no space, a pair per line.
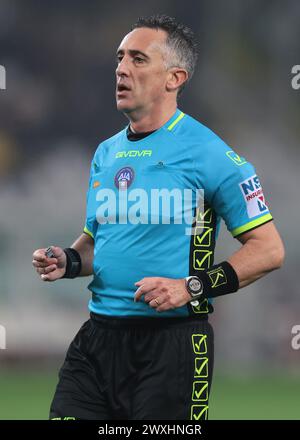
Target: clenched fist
50,269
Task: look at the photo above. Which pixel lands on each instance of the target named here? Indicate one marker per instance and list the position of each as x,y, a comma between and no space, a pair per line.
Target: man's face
141,72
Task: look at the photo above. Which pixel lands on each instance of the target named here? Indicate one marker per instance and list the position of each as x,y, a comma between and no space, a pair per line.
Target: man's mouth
123,88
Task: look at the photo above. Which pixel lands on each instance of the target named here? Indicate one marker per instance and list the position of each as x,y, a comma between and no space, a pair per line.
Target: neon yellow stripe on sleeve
171,126
251,225
88,232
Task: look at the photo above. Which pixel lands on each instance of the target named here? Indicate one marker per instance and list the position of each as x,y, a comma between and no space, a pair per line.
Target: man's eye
138,60
118,59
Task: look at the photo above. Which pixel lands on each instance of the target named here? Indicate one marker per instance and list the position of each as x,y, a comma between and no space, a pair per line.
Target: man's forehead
144,39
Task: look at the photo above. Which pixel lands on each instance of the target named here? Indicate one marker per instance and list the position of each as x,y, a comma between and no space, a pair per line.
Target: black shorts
136,369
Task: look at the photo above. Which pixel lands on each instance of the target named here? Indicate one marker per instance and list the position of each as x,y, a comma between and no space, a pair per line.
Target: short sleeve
239,197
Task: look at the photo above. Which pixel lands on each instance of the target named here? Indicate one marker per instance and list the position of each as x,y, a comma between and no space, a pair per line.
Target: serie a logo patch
253,196
124,178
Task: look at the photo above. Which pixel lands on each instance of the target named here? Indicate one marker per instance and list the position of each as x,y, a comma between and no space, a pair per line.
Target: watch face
195,285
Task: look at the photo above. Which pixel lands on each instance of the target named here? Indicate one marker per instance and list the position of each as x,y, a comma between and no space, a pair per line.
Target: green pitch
28,396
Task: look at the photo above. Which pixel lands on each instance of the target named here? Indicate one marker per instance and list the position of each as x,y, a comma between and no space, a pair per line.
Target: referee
146,353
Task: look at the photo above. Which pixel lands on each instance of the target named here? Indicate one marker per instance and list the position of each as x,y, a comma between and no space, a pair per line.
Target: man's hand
162,293
50,269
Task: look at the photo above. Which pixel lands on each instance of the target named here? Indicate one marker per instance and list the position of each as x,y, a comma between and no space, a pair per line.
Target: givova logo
133,153
2,338
253,196
2,78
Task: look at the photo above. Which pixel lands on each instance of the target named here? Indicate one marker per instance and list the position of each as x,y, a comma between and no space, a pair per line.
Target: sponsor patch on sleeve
253,196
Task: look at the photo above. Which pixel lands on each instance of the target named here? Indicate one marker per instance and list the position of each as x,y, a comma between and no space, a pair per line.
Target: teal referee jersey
154,208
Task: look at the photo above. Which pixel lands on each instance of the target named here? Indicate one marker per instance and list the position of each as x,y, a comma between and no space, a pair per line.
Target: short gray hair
181,42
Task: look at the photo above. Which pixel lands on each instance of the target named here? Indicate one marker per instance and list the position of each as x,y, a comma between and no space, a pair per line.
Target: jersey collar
173,121
169,125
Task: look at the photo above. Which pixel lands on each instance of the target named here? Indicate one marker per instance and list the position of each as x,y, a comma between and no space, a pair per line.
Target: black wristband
219,279
73,267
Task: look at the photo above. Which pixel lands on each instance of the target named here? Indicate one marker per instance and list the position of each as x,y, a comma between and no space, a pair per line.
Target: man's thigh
79,393
175,384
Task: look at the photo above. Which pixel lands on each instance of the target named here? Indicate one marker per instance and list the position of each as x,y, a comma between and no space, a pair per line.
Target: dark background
59,104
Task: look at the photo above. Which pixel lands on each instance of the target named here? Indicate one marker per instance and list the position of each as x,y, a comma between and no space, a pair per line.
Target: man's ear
176,77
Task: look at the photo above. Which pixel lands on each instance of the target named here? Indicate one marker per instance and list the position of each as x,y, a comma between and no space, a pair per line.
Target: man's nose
122,68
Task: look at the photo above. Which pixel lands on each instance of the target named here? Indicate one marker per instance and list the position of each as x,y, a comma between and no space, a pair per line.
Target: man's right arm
52,269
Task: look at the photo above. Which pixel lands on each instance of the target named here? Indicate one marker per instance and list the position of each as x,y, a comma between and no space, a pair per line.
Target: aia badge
254,197
124,178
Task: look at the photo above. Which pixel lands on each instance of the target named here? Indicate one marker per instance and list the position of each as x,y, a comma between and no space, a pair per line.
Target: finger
52,260
52,276
145,280
50,268
45,270
144,288
166,305
138,294
39,257
36,263
45,264
155,293
40,270
163,307
138,283
154,303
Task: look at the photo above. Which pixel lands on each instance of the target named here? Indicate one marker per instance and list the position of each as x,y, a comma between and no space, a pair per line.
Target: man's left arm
261,252
236,195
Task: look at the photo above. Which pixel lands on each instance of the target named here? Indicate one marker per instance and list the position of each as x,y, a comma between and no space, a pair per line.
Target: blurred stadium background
59,104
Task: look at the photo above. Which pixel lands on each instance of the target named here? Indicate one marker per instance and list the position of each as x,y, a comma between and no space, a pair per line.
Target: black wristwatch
194,286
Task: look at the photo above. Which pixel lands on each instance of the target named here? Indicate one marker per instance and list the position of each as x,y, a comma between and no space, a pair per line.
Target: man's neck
150,121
